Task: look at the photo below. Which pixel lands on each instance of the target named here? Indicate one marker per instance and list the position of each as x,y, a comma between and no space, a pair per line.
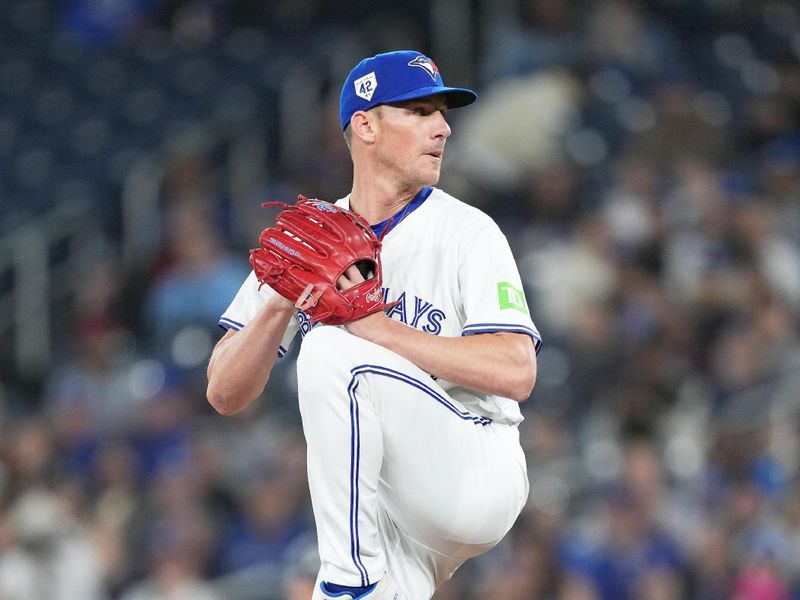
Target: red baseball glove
310,247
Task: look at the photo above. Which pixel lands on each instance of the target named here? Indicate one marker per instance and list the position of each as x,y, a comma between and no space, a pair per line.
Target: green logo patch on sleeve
511,296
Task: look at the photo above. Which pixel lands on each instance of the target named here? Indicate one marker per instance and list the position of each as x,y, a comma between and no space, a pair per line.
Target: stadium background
644,160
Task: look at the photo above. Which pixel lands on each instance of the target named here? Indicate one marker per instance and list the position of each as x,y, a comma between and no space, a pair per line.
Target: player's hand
280,304
371,327
349,278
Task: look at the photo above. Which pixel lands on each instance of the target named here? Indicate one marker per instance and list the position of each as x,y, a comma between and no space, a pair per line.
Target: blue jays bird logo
423,62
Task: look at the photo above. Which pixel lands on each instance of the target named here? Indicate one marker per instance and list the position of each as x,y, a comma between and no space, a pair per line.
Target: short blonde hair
348,138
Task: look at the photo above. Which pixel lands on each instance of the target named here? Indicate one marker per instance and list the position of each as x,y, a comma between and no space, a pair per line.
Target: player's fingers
353,274
349,278
343,282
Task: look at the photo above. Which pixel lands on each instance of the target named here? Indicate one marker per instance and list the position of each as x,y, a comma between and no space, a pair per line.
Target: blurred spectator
175,537
768,121
94,392
633,558
634,213
680,132
572,276
271,520
160,435
113,513
31,456
551,203
538,35
18,569
713,575
623,34
302,565
775,257
199,267
530,572
780,177
761,548
175,571
760,582
54,557
497,150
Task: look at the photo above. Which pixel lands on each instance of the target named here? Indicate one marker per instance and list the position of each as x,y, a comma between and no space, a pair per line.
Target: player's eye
425,111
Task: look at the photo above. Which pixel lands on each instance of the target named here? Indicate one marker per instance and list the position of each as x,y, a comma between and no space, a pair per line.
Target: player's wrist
371,328
281,305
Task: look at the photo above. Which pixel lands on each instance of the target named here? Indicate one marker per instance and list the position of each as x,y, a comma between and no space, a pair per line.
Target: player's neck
377,200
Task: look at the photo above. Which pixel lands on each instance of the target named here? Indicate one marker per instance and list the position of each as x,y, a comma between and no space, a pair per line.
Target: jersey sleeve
492,293
246,304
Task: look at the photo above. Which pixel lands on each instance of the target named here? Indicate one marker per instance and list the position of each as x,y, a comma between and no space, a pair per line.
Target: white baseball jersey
450,269
372,419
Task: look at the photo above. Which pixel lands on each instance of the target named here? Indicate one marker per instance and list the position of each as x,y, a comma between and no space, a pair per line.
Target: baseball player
410,413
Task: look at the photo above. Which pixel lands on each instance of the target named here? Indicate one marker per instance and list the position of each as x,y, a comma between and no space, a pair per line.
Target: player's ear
362,127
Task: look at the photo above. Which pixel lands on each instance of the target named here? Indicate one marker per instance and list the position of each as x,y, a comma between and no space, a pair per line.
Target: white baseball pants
403,478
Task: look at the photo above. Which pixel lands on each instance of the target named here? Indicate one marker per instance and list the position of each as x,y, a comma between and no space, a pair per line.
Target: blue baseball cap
393,77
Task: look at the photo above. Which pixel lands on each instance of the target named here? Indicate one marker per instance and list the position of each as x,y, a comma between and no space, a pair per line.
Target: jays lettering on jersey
452,273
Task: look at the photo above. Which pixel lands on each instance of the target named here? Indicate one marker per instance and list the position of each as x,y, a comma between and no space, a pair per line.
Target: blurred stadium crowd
644,161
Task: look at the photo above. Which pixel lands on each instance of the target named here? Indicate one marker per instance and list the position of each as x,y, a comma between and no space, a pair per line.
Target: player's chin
429,181
430,176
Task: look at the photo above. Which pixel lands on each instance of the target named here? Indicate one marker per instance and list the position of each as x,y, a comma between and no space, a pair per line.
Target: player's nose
441,127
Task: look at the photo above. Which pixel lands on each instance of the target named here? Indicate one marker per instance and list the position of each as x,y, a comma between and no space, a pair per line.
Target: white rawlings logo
366,86
374,296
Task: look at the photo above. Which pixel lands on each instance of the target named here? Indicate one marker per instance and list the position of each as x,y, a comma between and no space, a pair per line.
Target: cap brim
456,97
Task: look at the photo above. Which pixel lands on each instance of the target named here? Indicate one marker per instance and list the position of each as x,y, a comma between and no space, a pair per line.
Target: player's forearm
494,363
242,361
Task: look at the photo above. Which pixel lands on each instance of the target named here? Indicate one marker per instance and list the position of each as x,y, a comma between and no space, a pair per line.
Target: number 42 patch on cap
511,296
